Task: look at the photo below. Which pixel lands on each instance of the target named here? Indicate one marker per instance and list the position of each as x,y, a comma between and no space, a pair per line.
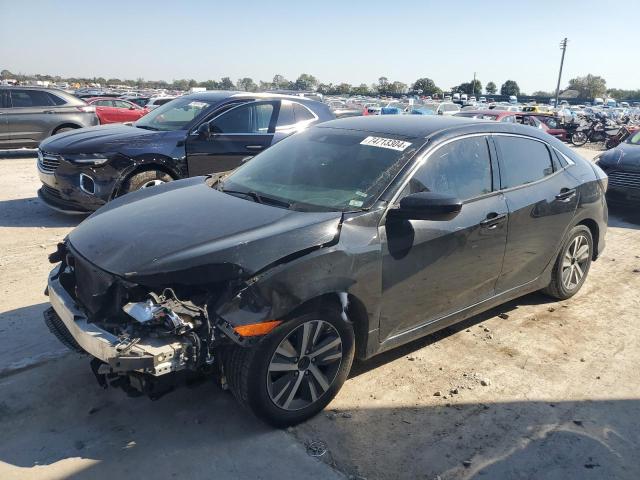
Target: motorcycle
596,130
625,132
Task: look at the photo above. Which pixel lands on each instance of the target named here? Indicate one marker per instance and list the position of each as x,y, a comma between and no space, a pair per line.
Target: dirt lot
533,389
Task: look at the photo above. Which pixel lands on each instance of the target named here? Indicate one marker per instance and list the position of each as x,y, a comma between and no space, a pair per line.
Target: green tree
425,86
542,93
325,88
306,82
226,84
398,87
279,81
246,84
363,89
343,89
491,88
589,86
470,88
510,87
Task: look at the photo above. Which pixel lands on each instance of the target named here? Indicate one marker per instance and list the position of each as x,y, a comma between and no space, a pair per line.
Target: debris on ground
503,316
317,448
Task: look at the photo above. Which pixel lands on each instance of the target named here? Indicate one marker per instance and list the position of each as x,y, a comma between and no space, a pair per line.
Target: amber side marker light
256,329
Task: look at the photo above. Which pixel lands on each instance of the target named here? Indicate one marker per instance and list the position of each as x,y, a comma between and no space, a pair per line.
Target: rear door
235,135
542,199
31,117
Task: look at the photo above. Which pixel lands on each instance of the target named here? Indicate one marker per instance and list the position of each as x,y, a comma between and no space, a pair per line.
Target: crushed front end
137,336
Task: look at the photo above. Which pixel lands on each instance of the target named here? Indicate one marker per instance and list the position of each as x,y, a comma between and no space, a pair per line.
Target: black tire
559,287
247,370
144,180
63,129
579,139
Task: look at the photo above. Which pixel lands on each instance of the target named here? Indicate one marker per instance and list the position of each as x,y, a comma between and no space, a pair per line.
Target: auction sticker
389,143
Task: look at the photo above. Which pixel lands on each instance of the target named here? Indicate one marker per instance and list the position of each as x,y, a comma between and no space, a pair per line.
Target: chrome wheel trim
305,365
574,262
152,183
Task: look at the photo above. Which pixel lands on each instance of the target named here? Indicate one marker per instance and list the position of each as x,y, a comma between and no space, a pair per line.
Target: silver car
29,115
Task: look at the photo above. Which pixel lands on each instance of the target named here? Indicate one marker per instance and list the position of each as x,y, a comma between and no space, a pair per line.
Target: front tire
295,372
150,178
572,265
579,139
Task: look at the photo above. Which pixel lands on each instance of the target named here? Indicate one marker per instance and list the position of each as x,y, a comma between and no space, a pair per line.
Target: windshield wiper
258,198
146,127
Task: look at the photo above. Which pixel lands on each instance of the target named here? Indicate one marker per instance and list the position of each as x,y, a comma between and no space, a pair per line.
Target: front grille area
48,162
624,180
51,192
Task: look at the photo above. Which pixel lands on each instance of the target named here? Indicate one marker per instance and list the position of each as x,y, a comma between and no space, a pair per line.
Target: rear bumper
153,356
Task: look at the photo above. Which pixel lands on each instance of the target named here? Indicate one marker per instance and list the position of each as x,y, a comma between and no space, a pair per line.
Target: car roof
403,125
219,95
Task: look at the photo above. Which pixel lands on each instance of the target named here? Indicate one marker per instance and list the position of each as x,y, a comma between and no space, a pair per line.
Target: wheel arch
592,225
343,302
65,125
146,164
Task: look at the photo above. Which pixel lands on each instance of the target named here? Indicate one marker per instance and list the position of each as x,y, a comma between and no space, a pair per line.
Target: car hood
625,156
101,139
186,232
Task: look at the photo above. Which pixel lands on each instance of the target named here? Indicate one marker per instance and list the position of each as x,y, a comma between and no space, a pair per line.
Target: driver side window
461,169
244,119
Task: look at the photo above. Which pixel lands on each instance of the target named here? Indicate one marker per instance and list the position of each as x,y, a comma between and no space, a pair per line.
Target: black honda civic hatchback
342,241
192,135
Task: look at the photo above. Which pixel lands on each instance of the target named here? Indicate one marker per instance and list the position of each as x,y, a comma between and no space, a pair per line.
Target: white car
155,102
447,108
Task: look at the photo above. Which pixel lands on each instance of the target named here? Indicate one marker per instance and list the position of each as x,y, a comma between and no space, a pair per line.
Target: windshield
324,169
173,115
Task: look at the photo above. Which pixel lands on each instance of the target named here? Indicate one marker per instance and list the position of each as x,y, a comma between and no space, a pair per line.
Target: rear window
34,98
522,161
302,113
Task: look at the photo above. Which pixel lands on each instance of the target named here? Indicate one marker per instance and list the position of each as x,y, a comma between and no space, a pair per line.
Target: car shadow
624,216
364,366
565,440
31,212
56,420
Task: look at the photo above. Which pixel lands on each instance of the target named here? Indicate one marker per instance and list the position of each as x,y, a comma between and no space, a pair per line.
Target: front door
234,136
431,269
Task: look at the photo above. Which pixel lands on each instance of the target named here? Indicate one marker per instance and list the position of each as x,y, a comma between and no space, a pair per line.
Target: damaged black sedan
342,241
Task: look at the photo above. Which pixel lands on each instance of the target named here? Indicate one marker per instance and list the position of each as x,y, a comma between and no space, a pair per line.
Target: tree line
588,86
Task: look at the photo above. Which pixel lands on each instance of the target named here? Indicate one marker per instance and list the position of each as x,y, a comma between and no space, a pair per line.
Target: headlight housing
93,159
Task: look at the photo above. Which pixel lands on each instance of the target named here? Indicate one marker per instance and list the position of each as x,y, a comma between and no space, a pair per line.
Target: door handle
566,194
48,111
493,219
254,147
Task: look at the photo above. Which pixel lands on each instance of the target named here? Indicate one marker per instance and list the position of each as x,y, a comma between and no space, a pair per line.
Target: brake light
87,108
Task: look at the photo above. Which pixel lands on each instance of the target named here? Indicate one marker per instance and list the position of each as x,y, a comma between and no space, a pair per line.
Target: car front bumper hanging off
154,356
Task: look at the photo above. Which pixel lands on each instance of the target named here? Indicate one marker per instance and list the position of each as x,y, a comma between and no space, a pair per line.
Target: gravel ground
533,389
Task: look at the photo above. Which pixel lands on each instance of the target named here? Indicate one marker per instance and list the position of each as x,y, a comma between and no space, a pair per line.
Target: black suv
192,135
28,115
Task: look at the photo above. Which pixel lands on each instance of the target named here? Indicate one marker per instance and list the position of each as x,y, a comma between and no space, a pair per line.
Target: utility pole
474,84
563,46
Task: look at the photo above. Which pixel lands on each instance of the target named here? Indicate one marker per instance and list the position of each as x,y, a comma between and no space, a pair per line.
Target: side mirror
203,131
427,206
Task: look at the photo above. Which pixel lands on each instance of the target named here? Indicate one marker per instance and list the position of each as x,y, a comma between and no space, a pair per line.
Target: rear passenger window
285,117
32,98
461,169
302,113
522,161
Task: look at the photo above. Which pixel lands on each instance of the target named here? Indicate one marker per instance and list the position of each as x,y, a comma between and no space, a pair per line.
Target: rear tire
572,265
150,178
579,139
281,383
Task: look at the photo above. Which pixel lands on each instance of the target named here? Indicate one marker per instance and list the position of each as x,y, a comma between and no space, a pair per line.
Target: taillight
87,108
603,178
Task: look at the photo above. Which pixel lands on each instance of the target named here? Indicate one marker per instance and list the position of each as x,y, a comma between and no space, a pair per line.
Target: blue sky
350,41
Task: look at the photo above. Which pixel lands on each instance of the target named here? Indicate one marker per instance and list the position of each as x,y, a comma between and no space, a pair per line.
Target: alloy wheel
152,183
574,262
305,365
